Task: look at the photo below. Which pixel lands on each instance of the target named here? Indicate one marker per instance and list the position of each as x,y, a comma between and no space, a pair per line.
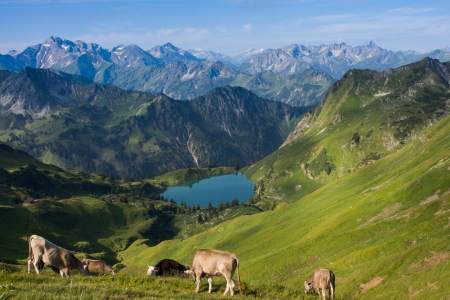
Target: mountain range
185,74
335,59
72,122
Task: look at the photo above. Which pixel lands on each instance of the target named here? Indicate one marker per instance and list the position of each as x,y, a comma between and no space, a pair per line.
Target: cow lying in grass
321,279
98,266
215,263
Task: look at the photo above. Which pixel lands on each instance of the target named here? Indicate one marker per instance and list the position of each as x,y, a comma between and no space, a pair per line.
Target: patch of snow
382,94
336,52
187,76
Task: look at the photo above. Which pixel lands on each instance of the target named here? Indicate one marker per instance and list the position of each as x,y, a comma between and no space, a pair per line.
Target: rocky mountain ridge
335,59
78,124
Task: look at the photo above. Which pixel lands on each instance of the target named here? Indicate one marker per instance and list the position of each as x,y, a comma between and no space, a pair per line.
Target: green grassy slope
365,116
389,220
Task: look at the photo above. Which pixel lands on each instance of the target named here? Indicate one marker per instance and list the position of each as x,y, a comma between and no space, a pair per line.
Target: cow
215,263
98,266
43,251
321,279
166,266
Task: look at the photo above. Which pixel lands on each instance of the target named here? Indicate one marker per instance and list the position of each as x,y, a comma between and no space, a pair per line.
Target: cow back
169,266
323,278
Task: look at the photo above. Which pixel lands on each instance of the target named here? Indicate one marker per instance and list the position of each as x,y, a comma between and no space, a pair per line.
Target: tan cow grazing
53,256
215,263
98,266
321,279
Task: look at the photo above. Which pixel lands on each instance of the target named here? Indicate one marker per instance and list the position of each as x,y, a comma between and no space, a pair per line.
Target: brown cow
98,266
321,279
215,263
167,266
53,256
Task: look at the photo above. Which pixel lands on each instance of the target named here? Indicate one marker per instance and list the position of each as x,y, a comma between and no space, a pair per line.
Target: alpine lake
212,189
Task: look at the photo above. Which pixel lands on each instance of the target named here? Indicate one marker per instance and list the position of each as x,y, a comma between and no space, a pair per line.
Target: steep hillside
306,88
39,92
74,123
382,227
365,116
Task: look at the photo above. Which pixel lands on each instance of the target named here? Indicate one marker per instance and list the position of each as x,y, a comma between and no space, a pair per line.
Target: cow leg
64,271
232,287
332,292
29,265
197,280
324,294
226,290
210,283
36,264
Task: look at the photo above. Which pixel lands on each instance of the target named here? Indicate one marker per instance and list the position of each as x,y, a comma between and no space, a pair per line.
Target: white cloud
248,27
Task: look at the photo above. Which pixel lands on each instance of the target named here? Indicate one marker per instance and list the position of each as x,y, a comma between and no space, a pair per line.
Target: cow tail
30,252
239,277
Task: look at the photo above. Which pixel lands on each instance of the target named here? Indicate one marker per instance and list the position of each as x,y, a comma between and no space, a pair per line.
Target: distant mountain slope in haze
169,53
335,59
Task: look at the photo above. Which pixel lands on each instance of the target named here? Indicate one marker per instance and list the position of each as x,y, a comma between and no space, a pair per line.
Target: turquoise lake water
212,189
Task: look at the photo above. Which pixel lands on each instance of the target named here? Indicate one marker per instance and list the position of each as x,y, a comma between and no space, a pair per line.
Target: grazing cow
167,266
321,279
43,251
98,266
215,263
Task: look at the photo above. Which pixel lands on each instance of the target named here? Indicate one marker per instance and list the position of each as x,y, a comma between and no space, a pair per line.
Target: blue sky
227,26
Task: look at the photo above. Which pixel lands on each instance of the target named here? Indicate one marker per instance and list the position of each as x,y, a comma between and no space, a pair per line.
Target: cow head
84,269
151,270
190,272
113,271
309,287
